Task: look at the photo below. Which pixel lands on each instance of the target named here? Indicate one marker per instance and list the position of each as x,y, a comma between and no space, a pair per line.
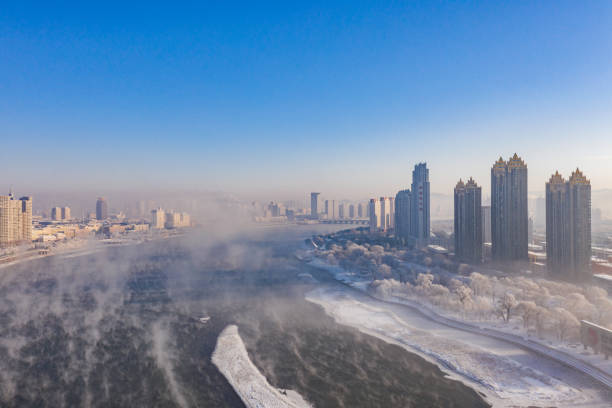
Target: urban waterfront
121,328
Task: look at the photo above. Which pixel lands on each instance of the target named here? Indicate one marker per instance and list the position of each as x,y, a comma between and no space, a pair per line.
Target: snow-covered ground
231,358
508,375
586,361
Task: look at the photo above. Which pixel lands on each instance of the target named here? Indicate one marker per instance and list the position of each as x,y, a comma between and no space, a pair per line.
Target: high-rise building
352,211
468,221
374,212
568,225
15,220
26,219
360,210
158,218
327,209
173,219
391,223
341,211
386,213
314,205
420,204
486,223
509,212
56,213
66,213
101,209
274,209
403,215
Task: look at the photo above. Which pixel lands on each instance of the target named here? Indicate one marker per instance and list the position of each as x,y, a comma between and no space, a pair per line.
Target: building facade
56,214
158,218
403,215
509,212
374,212
101,209
420,209
314,205
568,226
468,221
15,220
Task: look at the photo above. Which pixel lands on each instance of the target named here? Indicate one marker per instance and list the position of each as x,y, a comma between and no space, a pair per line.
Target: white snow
231,358
585,361
508,375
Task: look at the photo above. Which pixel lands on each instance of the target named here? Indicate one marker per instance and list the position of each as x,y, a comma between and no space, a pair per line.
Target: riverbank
508,373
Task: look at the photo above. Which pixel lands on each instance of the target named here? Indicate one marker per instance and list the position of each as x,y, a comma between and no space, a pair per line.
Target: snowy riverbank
231,358
469,368
508,375
589,363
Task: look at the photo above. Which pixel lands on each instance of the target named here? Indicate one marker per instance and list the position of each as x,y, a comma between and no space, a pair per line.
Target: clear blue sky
287,97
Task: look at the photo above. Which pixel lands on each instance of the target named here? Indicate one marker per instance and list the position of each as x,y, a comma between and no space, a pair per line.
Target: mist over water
120,328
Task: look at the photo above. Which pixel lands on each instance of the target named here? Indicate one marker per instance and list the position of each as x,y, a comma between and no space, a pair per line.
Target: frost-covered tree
464,294
580,307
384,271
424,280
505,306
528,310
565,323
480,284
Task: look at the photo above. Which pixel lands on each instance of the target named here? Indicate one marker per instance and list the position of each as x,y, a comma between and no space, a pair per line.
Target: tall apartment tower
56,213
158,218
326,208
341,211
468,221
403,215
386,213
314,205
360,210
568,225
15,220
66,213
509,213
351,211
374,213
101,209
420,220
26,219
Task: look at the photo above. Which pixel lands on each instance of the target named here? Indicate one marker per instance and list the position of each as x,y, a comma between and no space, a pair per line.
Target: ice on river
231,358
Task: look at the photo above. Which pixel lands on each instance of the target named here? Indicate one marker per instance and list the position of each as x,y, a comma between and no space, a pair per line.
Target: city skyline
156,95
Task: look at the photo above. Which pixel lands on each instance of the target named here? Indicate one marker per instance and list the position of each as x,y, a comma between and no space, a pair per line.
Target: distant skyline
282,98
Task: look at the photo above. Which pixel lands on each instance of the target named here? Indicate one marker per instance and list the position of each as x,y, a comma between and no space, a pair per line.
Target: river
121,328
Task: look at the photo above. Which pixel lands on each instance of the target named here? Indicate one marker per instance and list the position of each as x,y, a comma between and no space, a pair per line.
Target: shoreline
425,314
487,394
531,345
89,247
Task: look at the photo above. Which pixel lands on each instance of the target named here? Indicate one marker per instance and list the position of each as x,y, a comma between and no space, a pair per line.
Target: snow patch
231,358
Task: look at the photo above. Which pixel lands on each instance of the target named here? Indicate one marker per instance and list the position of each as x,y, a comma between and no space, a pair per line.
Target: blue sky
280,97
